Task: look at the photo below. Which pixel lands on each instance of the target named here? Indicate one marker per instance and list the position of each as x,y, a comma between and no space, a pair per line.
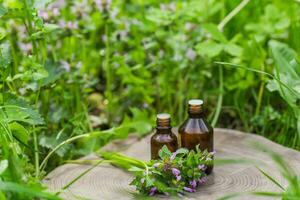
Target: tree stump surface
108,182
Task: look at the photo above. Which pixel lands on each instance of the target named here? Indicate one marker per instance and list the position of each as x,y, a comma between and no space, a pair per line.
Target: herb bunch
174,173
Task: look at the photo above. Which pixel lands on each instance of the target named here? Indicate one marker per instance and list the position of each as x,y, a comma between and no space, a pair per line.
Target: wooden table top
108,182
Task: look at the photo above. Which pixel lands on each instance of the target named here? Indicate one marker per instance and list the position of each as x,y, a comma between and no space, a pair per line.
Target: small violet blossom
189,189
62,23
173,156
43,14
193,184
202,167
152,191
55,12
65,65
202,180
176,173
213,153
103,4
72,25
191,54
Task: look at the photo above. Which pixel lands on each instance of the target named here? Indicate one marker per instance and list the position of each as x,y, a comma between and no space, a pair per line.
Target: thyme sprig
174,173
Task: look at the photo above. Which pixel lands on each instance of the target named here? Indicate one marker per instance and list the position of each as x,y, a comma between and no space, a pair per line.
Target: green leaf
164,152
136,169
209,48
2,196
283,56
182,151
51,142
54,73
270,178
286,71
215,33
3,166
159,17
233,49
19,132
17,109
41,4
26,190
148,181
5,57
3,10
2,33
139,122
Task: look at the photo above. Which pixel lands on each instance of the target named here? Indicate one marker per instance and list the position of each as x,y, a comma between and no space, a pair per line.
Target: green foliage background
72,69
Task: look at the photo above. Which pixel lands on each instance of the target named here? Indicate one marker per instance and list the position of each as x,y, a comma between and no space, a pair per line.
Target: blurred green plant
70,68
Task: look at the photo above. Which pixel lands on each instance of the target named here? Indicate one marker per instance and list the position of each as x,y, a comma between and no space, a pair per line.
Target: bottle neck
195,111
196,115
163,125
163,130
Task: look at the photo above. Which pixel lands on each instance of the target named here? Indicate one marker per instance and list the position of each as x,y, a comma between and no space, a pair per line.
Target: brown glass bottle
196,130
163,136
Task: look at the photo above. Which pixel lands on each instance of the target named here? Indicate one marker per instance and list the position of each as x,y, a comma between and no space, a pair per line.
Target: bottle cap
196,102
163,116
195,106
163,120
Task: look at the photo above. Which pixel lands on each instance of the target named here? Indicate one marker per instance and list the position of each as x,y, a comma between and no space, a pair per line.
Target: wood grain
107,182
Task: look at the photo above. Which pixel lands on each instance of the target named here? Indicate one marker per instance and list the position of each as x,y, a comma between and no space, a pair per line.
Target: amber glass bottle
163,136
196,130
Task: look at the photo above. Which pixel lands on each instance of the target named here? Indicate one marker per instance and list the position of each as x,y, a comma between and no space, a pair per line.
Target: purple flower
166,167
104,38
62,23
103,4
25,47
193,183
72,25
189,189
202,167
173,156
142,181
176,172
43,14
152,191
55,12
191,54
65,65
202,180
57,4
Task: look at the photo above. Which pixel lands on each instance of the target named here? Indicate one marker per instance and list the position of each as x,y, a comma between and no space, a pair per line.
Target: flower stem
233,13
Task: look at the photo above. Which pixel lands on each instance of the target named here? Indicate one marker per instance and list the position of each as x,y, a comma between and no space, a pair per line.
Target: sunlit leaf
3,166
209,48
17,109
215,32
19,132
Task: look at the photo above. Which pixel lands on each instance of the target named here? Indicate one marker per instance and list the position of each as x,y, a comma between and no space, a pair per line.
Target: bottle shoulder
195,125
164,137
